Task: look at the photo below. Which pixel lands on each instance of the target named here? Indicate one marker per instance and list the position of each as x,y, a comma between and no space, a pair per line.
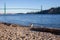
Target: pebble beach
17,32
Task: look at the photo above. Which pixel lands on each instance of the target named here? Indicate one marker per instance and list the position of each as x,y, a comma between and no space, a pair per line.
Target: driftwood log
50,30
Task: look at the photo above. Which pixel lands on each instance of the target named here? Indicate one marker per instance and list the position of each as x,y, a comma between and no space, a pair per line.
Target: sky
35,4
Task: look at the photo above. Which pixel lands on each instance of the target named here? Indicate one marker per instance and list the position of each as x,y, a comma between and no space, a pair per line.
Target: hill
50,11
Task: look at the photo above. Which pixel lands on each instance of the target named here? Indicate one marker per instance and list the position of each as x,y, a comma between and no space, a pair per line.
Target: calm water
37,19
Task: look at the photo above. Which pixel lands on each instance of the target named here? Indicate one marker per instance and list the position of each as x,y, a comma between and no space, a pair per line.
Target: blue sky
36,4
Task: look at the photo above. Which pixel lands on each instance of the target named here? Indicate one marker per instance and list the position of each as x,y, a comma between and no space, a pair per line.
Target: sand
17,32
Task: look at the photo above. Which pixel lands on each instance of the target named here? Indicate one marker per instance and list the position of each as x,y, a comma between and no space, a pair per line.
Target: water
37,19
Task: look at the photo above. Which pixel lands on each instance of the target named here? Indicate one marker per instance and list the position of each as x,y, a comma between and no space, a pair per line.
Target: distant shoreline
25,14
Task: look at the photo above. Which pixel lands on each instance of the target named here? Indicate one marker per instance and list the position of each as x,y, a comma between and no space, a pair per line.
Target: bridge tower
41,7
4,8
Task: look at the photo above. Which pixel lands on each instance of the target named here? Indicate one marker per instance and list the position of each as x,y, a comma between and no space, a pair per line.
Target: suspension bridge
5,8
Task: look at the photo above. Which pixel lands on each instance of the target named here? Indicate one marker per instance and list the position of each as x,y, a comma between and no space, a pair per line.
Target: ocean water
45,20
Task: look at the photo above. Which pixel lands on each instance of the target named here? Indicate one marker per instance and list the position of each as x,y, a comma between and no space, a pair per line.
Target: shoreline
17,32
42,29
